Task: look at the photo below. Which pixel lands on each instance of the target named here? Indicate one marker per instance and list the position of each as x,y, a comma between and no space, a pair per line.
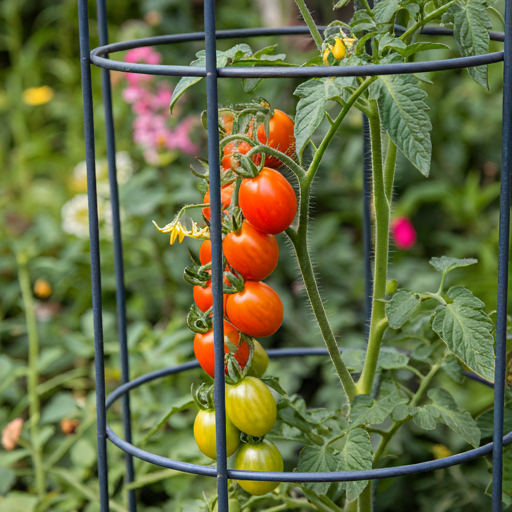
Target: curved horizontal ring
98,58
338,476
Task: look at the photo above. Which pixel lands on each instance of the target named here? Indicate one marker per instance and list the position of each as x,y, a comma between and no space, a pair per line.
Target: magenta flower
144,55
404,233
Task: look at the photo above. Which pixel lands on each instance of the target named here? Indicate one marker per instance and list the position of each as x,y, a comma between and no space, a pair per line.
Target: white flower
124,166
75,216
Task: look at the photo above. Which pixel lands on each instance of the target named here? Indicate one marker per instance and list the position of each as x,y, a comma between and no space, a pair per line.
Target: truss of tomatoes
266,205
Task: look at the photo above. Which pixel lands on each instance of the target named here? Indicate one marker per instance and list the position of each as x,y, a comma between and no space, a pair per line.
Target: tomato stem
334,127
299,240
315,33
382,191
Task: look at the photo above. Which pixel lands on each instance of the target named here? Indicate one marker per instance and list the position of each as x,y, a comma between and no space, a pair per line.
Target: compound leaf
317,459
466,329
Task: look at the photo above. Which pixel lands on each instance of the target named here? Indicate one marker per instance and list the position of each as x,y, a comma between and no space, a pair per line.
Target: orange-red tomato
204,348
257,310
252,253
268,201
205,252
281,137
243,148
226,193
203,297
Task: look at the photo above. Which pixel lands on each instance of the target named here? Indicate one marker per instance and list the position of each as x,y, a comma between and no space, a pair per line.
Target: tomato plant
268,201
204,434
251,406
252,253
281,136
225,196
259,360
205,252
204,348
263,456
257,310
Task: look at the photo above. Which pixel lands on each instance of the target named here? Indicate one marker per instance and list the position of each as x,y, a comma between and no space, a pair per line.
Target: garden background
44,260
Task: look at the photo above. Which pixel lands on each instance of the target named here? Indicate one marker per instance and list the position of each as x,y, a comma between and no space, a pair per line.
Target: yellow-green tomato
251,406
263,456
259,360
233,505
204,434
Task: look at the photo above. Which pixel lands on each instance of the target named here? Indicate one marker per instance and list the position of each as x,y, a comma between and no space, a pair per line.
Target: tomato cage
99,57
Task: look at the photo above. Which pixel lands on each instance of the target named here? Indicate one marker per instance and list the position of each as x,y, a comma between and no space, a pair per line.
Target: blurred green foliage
455,212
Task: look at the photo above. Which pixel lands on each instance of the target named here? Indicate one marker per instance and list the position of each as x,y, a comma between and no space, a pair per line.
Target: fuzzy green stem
364,502
381,203
299,240
315,34
33,374
334,127
389,169
422,22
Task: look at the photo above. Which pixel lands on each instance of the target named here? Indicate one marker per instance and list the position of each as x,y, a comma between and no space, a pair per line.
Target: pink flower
144,55
404,233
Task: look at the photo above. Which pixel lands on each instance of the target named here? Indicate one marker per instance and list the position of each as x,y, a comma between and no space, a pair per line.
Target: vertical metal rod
367,222
504,243
216,241
118,248
101,420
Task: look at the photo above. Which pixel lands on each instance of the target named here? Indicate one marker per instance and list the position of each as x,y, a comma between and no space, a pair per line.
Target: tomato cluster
255,208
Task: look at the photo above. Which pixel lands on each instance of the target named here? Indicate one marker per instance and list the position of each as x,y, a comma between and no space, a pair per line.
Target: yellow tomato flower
179,231
37,95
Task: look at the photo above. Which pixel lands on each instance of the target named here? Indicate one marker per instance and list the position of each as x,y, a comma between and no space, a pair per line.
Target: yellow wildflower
179,231
37,95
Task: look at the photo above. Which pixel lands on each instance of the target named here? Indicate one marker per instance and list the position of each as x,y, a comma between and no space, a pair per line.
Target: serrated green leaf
471,25
422,352
389,41
401,308
424,417
466,330
457,419
445,264
385,10
400,412
313,95
317,459
356,455
453,368
420,47
273,383
404,117
367,411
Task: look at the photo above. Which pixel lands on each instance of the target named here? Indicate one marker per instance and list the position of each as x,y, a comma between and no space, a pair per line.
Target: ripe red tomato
204,349
252,253
257,310
203,297
268,201
263,456
204,434
226,193
251,406
281,137
232,147
205,252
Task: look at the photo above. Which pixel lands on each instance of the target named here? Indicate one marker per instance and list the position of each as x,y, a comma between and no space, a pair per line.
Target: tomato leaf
466,329
507,477
401,308
453,368
445,410
313,95
445,264
317,459
403,114
356,455
420,47
367,411
471,25
273,382
385,10
340,3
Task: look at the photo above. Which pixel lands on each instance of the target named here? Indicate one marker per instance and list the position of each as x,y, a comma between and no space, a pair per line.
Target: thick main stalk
382,208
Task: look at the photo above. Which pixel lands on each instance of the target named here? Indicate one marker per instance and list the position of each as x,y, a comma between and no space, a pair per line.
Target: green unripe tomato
251,406
263,456
391,287
204,434
233,505
259,361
